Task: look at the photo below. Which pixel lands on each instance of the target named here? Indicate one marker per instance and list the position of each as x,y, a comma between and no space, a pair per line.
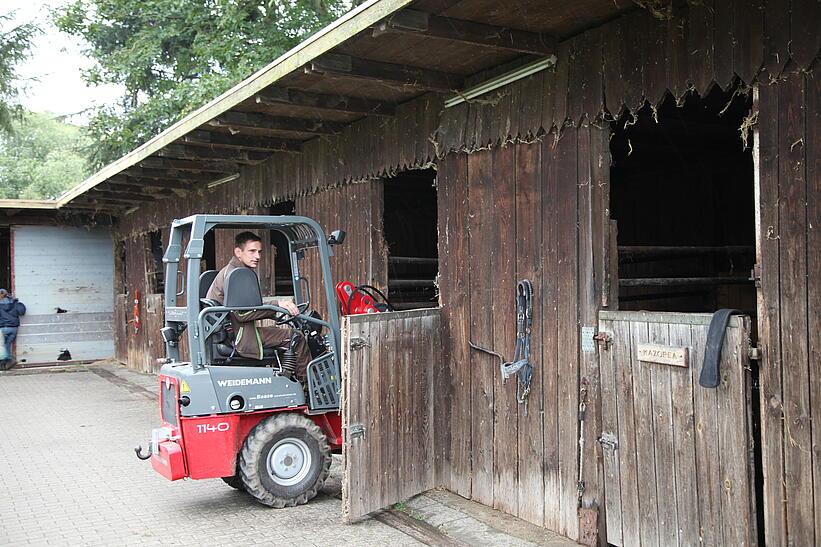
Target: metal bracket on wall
356,431
588,339
608,441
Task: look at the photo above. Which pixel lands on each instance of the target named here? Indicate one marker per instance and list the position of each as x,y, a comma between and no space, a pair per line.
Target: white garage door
65,277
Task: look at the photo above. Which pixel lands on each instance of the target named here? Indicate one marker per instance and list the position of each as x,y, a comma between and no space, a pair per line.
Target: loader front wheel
285,460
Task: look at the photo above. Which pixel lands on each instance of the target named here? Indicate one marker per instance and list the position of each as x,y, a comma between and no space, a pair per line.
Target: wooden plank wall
523,211
787,153
362,258
395,369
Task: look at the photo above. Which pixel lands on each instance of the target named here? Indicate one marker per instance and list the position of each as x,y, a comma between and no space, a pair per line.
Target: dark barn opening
282,255
5,258
682,194
411,236
157,273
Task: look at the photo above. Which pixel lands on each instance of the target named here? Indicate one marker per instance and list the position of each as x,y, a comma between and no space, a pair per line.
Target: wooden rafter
149,182
275,96
345,66
205,166
207,154
417,22
120,195
214,140
237,121
165,174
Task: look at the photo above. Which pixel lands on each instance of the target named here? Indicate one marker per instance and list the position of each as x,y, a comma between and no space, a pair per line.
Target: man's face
249,254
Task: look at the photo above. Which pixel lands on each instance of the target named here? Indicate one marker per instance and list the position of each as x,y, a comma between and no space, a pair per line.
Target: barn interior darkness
282,260
410,232
5,258
682,196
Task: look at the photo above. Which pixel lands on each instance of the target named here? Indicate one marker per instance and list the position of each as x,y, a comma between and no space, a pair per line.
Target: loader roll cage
302,234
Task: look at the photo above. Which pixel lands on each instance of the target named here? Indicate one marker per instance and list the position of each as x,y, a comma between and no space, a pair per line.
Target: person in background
10,311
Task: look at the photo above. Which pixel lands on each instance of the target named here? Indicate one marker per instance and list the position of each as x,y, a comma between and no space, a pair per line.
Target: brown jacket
246,332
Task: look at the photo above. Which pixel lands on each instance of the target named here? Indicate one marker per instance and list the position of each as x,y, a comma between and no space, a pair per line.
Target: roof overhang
383,53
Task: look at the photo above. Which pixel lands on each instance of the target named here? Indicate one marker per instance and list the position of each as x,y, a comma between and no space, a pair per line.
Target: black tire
305,463
234,481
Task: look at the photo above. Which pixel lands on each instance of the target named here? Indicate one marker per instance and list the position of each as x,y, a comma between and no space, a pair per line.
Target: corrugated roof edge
323,41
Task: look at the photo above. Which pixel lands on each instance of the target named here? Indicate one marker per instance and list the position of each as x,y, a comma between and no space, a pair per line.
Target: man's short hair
244,237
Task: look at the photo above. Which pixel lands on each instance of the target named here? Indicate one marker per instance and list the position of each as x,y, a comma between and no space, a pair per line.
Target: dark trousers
274,337
7,336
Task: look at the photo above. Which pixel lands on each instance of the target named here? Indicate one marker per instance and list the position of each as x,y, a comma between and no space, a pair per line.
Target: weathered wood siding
787,155
638,58
389,368
523,211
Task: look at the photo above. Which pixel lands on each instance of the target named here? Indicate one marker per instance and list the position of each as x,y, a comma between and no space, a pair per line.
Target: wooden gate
388,367
677,457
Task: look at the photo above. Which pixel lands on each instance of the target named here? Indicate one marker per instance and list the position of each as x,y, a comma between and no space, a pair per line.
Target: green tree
15,42
172,56
41,157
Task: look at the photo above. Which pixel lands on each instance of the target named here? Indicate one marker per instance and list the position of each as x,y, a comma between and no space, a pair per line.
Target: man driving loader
250,339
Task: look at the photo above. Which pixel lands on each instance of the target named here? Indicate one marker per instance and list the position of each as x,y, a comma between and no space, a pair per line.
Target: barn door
677,457
388,367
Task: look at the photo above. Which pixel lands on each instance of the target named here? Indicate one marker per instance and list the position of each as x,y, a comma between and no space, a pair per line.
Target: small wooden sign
666,355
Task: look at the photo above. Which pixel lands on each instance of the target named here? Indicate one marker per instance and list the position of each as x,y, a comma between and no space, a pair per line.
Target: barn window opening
682,197
282,255
5,258
155,274
410,232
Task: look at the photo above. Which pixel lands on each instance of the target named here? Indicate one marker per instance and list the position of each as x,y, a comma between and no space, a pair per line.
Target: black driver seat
241,290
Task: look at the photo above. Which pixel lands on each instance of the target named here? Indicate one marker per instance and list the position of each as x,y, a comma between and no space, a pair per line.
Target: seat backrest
242,288
206,280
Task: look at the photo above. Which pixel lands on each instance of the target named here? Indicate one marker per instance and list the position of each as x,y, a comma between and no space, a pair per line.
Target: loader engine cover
230,389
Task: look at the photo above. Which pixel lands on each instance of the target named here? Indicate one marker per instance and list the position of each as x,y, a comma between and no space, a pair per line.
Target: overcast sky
52,73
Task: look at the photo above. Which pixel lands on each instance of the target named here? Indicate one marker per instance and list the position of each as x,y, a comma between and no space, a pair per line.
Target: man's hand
288,305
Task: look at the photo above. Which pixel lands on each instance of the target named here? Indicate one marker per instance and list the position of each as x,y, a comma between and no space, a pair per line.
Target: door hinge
356,431
755,275
609,441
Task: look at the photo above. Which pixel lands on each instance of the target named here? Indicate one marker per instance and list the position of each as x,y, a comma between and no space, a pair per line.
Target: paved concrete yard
68,475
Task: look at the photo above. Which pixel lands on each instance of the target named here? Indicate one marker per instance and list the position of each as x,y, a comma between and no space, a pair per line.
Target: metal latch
355,431
356,343
608,440
755,275
754,354
603,337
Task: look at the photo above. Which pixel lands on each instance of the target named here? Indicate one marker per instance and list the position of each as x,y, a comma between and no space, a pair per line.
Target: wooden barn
643,164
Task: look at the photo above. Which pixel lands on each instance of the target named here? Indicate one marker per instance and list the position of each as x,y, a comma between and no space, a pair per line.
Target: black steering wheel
285,317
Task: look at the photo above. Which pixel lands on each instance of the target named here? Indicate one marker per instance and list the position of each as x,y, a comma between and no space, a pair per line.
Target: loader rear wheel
234,481
285,460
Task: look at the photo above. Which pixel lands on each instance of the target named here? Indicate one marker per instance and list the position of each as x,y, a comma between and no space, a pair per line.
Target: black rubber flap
710,374
242,288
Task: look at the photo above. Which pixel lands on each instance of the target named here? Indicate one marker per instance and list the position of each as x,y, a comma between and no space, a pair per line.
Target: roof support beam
214,140
345,66
237,121
206,166
148,182
417,22
276,96
118,195
206,154
163,175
